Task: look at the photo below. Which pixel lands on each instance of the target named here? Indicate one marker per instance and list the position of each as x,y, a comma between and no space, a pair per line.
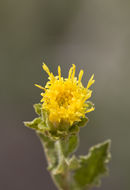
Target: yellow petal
59,72
91,81
39,86
44,66
73,73
70,72
80,76
91,109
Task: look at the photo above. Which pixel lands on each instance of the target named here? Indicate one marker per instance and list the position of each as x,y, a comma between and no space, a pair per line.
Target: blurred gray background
94,35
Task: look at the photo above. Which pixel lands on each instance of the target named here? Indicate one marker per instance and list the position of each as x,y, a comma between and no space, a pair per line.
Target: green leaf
74,129
93,166
41,112
37,108
83,122
69,145
37,124
33,124
73,163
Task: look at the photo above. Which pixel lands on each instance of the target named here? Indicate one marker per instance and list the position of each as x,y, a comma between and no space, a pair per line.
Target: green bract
44,126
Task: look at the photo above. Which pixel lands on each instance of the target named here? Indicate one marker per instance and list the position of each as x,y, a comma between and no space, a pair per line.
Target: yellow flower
65,98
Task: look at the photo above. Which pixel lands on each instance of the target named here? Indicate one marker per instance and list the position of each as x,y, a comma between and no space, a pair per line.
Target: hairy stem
62,179
55,156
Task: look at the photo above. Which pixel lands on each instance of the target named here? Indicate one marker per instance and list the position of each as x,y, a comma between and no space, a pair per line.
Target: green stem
64,178
54,156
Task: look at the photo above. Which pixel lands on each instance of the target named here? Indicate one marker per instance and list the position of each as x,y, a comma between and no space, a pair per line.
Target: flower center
64,99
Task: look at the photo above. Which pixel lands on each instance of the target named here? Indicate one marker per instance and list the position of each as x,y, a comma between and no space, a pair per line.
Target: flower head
65,99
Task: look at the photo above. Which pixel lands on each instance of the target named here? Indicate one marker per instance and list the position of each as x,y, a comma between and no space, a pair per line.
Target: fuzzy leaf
37,124
83,122
69,145
41,112
37,108
33,124
93,166
73,163
74,129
